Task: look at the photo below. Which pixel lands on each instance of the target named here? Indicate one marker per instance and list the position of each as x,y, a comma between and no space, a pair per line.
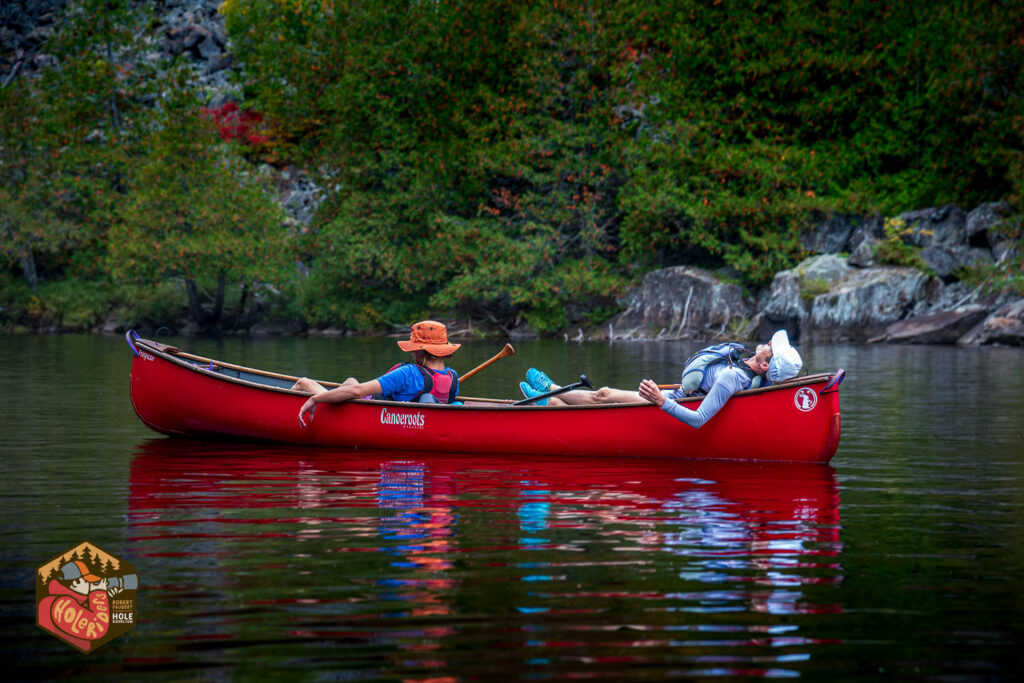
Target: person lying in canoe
427,379
713,372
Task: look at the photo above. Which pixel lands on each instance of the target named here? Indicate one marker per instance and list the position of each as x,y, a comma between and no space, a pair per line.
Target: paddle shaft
507,351
584,382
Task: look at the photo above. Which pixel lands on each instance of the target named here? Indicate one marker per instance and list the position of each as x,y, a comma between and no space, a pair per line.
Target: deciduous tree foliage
112,169
30,227
520,161
197,212
65,142
513,158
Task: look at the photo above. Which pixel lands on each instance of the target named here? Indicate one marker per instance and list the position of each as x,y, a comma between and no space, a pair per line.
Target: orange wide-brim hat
432,337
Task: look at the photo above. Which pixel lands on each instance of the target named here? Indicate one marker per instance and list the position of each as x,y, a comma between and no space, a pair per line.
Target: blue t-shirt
404,383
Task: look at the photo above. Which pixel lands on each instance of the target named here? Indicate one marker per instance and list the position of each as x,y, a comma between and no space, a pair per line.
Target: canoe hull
792,423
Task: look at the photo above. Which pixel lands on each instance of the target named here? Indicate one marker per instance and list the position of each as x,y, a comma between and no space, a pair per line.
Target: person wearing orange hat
426,379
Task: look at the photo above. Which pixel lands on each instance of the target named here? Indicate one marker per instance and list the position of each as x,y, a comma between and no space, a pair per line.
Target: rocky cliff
842,292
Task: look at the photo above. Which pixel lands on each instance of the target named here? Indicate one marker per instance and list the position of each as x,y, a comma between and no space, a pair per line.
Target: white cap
786,362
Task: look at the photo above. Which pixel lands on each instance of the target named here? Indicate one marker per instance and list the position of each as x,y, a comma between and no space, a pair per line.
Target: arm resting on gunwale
726,384
346,392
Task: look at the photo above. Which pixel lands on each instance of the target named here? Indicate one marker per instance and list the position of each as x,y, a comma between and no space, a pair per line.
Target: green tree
66,140
511,160
30,224
750,119
464,142
198,212
548,216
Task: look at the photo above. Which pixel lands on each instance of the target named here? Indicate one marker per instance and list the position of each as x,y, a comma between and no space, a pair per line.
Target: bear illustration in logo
805,399
86,597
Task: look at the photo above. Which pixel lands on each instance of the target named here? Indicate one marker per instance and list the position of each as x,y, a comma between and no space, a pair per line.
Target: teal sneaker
530,392
538,380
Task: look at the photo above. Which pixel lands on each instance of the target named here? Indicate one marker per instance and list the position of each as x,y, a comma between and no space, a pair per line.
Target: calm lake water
903,559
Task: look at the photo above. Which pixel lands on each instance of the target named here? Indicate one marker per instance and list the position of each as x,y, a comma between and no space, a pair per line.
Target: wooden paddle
507,351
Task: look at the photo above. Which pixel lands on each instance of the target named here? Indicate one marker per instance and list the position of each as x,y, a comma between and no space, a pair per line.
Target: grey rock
864,254
176,22
788,302
1003,247
1003,326
218,33
195,35
864,304
219,100
523,332
978,256
44,61
945,297
867,226
925,227
863,239
207,49
942,260
944,327
830,236
299,194
827,268
945,260
982,219
38,36
8,39
173,46
25,26
783,307
220,63
266,328
682,302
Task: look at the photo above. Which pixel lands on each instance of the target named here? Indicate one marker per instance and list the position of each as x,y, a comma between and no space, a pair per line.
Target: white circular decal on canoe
805,399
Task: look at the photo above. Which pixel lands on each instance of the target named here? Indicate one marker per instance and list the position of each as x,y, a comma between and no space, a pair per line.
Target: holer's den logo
86,596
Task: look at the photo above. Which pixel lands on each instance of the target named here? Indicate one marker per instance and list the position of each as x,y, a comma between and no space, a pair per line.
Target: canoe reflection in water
297,545
417,533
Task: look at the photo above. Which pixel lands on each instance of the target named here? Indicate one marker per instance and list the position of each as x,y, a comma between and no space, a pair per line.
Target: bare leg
602,395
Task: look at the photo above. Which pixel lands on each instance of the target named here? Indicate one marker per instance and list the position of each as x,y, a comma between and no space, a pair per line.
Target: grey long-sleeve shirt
723,381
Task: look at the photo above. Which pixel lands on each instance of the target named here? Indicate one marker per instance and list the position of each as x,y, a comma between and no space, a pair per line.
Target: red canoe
181,394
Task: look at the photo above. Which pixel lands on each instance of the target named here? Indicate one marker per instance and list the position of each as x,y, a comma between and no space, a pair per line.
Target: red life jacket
444,386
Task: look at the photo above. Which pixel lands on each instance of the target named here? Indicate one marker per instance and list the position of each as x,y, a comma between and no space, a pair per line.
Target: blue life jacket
732,353
443,386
